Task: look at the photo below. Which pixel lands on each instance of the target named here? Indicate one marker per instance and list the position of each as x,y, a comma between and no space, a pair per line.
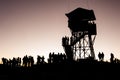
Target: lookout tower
81,23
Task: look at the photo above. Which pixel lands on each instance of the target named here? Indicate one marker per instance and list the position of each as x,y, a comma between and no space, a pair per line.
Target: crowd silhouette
56,58
13,62
28,61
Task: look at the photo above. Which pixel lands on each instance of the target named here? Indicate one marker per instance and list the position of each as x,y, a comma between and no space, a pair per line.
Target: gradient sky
36,27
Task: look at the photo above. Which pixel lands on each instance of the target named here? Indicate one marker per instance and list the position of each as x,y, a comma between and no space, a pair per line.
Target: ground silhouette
59,68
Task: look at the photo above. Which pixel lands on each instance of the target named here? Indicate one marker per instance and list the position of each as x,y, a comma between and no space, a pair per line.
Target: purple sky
36,27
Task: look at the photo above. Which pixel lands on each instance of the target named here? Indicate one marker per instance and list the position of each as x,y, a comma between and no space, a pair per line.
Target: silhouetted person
10,62
112,58
65,41
116,61
5,61
31,61
25,61
71,40
18,61
43,59
49,59
14,62
40,60
101,56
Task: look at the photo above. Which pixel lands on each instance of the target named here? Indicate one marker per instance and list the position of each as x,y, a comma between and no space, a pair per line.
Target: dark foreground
71,71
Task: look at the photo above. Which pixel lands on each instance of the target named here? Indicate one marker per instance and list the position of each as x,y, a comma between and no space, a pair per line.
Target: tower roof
81,14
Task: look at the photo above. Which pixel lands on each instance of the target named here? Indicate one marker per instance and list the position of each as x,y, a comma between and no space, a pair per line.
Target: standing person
112,57
99,56
102,55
